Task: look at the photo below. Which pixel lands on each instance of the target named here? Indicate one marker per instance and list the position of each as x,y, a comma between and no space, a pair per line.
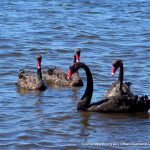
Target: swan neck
120,76
39,73
87,96
74,61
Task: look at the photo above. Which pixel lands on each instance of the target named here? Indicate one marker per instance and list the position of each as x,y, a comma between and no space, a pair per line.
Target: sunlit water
104,30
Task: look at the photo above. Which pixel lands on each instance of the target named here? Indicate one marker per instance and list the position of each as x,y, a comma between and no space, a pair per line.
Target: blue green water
104,30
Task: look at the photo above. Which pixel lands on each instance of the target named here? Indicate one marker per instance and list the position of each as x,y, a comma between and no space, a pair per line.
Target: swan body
29,80
118,88
114,90
58,77
122,103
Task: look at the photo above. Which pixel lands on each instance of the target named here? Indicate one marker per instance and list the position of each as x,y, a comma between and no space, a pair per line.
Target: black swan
111,104
31,81
58,77
118,87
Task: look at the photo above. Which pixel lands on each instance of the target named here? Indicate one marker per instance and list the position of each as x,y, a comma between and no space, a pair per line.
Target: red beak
69,74
77,57
38,64
113,70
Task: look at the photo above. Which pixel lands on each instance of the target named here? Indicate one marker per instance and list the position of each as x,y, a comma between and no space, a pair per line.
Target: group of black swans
118,98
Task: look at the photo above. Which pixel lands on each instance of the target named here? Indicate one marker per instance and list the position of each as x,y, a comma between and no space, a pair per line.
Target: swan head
72,69
115,65
77,55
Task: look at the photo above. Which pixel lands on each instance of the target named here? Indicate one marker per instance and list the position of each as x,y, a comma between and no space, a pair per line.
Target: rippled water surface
104,30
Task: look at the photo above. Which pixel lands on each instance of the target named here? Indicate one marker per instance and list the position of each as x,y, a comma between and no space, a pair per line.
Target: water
104,30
